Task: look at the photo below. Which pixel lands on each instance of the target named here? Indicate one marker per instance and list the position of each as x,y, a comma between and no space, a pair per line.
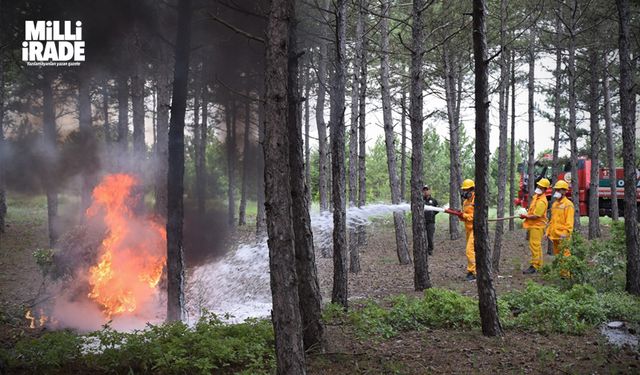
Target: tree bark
3,198
628,150
286,317
503,132
137,109
162,144
323,168
572,115
403,145
50,134
512,153
389,137
242,216
84,119
261,223
123,113
201,157
339,294
594,136
611,149
307,128
175,184
486,293
308,287
362,146
454,139
531,111
421,278
230,116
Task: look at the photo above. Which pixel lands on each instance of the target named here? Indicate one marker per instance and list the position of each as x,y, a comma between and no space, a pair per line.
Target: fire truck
543,169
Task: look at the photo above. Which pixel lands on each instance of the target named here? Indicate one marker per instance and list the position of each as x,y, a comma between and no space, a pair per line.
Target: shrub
164,349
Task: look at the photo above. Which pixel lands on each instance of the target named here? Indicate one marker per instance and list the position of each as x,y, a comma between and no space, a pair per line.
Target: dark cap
426,187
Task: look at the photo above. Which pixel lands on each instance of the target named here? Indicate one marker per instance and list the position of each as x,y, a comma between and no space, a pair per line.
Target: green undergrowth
537,308
210,347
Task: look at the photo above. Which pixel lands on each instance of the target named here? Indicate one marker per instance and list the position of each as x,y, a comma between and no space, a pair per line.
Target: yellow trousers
535,245
560,245
471,253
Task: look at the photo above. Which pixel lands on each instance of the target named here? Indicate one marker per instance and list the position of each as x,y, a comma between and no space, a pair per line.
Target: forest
322,187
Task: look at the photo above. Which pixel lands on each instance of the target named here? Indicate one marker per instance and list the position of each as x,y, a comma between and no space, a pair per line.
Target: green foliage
44,259
598,263
547,309
167,349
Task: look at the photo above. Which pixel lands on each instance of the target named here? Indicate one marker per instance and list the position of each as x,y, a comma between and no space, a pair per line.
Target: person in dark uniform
429,217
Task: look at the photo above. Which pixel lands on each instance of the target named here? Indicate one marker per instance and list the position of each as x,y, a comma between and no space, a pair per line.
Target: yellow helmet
468,184
561,184
544,183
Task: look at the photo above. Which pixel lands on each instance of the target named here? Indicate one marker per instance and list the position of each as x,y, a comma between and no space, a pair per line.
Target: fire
39,322
132,256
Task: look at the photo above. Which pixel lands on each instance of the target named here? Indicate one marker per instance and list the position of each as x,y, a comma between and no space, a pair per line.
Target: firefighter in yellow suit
469,197
535,220
561,224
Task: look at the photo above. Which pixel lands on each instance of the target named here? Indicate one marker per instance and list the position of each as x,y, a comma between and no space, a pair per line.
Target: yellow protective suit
538,207
561,225
467,217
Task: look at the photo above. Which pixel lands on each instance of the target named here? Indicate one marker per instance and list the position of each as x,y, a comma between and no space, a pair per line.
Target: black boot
470,276
529,271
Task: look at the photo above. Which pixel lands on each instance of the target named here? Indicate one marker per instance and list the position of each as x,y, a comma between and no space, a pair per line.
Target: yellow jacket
561,224
467,212
538,207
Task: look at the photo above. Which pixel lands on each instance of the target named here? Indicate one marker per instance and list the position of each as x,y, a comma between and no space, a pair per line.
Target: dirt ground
429,351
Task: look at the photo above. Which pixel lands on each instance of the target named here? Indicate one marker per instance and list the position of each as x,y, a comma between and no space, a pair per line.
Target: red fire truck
543,170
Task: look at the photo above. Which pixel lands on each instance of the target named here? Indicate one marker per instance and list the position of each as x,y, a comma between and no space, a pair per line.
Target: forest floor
443,351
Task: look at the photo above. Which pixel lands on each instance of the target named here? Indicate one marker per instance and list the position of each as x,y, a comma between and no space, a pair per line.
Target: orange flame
39,322
132,256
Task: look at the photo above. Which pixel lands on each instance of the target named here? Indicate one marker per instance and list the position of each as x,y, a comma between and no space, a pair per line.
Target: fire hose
459,214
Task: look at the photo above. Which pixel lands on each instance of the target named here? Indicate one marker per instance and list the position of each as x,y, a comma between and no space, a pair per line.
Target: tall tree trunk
123,113
84,117
323,168
403,145
362,139
137,109
594,136
3,198
611,148
503,130
230,116
162,144
389,137
513,184
261,223
486,292
531,111
628,151
421,278
572,114
201,151
286,317
307,128
555,168
50,134
175,184
354,256
454,139
308,287
246,161
339,294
